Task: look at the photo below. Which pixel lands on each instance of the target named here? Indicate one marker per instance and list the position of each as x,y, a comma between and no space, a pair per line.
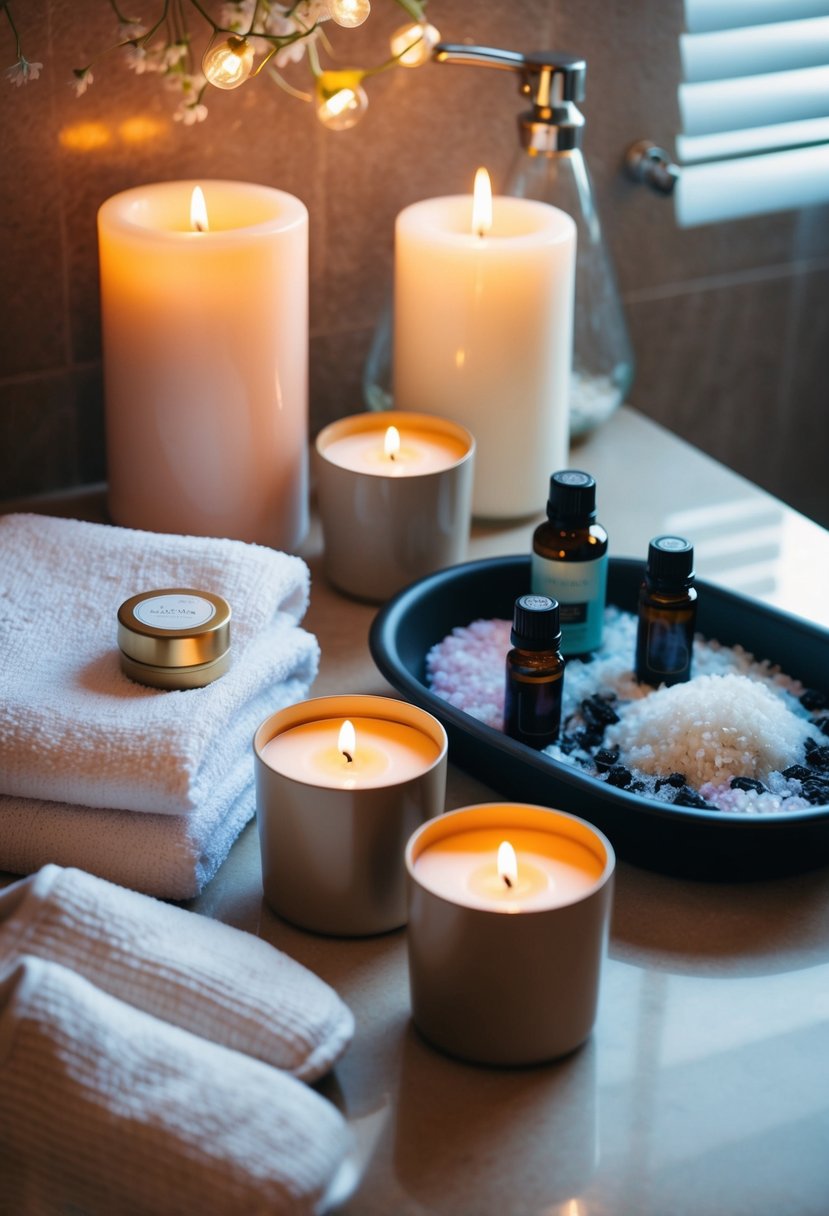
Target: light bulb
349,13
228,64
412,45
341,99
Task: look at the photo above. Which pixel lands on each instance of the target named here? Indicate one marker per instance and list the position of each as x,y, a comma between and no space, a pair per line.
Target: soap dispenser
549,166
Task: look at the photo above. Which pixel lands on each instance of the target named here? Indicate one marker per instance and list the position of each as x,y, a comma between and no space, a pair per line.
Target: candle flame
507,864
391,444
198,211
482,203
347,741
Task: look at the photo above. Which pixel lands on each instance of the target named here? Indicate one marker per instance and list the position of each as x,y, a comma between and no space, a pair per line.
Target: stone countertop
704,1088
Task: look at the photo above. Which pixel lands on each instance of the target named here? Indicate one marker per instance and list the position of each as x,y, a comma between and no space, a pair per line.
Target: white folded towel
73,728
207,977
171,856
108,1111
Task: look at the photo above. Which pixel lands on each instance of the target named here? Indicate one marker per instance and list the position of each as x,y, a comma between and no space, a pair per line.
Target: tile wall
730,322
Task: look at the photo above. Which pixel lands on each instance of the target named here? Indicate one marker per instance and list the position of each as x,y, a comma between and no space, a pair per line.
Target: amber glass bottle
535,673
667,613
569,560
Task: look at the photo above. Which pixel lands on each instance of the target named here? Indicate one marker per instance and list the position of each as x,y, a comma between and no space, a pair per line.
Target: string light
349,13
341,99
412,45
229,63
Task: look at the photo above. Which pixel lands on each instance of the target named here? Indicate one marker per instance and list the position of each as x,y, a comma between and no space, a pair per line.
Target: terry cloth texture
81,744
108,1111
209,978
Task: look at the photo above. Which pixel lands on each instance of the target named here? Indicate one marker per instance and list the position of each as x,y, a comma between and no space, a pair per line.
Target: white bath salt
711,729
738,716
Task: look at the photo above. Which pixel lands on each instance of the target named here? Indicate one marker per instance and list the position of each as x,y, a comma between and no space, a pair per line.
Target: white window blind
754,107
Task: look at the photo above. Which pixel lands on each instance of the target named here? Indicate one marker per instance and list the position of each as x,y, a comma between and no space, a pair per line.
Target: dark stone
690,798
813,699
816,791
747,783
677,780
619,776
798,772
568,744
598,712
817,756
606,758
823,725
588,739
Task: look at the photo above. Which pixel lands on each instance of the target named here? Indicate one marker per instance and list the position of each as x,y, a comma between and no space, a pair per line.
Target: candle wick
507,880
392,456
348,757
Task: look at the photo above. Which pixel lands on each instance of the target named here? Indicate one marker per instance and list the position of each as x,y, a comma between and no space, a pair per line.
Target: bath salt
735,738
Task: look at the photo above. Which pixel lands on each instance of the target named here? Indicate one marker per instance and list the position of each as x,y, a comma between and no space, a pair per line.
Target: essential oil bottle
534,672
667,613
569,560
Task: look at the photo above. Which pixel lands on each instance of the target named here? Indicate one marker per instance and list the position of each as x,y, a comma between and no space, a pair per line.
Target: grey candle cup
332,858
382,533
507,989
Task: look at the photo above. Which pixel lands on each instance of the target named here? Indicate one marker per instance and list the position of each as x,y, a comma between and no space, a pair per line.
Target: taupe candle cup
383,532
502,988
333,858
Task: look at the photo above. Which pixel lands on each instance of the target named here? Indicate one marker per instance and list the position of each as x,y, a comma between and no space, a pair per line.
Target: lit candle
509,908
528,871
341,783
394,492
204,307
362,753
483,333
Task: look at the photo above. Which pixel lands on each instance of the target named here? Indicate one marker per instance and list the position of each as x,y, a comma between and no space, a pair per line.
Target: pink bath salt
467,669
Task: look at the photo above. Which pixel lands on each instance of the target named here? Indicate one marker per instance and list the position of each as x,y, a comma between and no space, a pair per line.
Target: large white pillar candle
483,335
205,336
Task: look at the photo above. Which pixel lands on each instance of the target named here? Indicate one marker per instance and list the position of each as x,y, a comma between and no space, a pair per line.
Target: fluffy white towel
73,728
109,1111
207,977
172,856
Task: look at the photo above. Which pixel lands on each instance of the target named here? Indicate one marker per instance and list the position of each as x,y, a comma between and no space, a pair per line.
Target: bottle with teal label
569,560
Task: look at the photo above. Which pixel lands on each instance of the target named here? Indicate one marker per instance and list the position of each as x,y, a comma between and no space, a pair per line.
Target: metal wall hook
647,163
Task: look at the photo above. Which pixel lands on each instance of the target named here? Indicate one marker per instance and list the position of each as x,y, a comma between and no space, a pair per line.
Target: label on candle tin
580,588
174,611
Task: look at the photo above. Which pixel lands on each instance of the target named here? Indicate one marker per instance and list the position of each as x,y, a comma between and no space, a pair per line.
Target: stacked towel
144,787
207,977
107,1110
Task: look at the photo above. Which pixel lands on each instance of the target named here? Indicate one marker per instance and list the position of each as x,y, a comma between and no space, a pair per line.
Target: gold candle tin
174,637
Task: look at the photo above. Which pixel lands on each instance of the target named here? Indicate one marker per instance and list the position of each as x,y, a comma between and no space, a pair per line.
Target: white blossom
189,113
83,78
23,71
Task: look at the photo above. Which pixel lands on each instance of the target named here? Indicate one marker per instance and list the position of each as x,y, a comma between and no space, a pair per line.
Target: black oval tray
677,840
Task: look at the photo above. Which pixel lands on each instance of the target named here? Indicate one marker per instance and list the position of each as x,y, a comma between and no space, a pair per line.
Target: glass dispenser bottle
549,166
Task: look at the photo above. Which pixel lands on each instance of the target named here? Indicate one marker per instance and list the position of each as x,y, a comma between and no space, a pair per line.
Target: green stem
10,20
415,9
289,88
122,20
216,28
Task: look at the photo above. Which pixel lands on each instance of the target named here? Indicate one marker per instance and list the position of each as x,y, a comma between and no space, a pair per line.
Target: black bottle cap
535,624
671,561
572,498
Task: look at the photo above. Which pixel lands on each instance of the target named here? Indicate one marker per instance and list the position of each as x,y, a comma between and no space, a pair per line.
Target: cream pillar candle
483,335
205,338
509,907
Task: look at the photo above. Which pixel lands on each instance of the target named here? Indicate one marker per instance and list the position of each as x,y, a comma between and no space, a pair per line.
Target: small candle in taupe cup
505,950
392,514
335,812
